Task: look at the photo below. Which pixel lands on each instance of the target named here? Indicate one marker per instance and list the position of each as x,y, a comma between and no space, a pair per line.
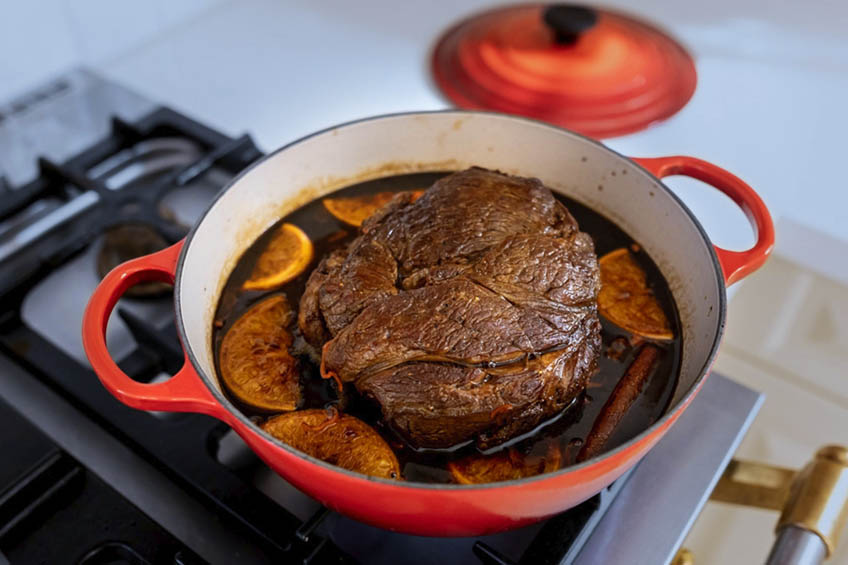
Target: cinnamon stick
619,402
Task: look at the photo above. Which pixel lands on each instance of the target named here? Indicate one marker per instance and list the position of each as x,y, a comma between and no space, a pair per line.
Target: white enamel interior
380,147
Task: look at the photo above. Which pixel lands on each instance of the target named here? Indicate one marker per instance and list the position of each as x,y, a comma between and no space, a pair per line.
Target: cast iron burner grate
44,497
81,205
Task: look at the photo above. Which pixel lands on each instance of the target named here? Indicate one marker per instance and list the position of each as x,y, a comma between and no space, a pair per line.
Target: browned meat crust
467,314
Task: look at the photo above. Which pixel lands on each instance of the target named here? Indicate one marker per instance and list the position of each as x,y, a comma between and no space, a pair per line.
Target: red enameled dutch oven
627,191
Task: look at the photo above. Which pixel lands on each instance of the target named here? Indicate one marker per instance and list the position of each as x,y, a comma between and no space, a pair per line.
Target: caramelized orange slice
626,300
353,210
256,366
287,255
338,439
504,466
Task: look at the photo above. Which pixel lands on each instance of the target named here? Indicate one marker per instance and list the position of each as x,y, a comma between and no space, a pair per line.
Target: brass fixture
683,557
814,499
754,484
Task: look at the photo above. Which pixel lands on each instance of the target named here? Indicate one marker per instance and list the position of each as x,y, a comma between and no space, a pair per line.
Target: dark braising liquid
568,429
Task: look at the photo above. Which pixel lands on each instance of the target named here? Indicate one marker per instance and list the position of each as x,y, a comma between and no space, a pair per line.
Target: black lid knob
568,21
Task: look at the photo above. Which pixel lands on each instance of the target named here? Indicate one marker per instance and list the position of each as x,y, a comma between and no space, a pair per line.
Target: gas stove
96,174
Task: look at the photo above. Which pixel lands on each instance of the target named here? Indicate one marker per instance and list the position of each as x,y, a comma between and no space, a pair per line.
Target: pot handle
734,264
185,391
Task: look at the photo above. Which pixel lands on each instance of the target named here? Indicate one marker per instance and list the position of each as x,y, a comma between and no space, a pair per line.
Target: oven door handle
734,264
183,392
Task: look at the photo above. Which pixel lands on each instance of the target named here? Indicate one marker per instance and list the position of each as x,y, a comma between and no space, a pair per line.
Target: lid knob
568,21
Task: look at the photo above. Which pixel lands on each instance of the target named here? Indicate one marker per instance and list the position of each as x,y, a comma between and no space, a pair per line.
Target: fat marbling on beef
467,314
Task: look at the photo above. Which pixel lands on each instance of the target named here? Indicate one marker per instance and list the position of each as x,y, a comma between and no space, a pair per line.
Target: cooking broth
568,429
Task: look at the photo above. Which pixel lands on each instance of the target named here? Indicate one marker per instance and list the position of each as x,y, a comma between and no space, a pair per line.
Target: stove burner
120,180
122,243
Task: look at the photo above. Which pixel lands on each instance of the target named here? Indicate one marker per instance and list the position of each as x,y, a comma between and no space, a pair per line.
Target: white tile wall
42,38
35,42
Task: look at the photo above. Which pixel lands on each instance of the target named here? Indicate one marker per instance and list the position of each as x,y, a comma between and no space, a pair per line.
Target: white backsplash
41,39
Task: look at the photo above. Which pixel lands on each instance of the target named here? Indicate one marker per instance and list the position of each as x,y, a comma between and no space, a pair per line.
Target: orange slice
626,300
287,255
353,210
338,439
506,465
256,366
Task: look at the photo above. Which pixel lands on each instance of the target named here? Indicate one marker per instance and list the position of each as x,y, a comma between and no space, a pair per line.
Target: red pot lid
596,72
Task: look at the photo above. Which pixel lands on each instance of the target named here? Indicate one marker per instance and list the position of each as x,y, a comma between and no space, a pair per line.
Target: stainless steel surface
59,321
649,519
796,546
61,118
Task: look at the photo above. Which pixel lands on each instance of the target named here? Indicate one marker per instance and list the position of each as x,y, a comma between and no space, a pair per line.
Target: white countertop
769,106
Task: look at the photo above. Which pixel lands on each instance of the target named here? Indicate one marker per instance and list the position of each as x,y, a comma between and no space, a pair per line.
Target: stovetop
184,488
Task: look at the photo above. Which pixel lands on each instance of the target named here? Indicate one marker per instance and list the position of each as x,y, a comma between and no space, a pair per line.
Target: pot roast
469,313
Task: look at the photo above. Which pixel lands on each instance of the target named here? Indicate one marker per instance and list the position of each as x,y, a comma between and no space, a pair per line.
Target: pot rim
662,422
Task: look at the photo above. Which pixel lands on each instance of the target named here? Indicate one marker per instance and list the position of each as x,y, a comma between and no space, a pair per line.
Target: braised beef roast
467,314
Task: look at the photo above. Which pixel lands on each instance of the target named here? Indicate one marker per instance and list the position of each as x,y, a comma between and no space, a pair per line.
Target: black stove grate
181,446
44,497
86,207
